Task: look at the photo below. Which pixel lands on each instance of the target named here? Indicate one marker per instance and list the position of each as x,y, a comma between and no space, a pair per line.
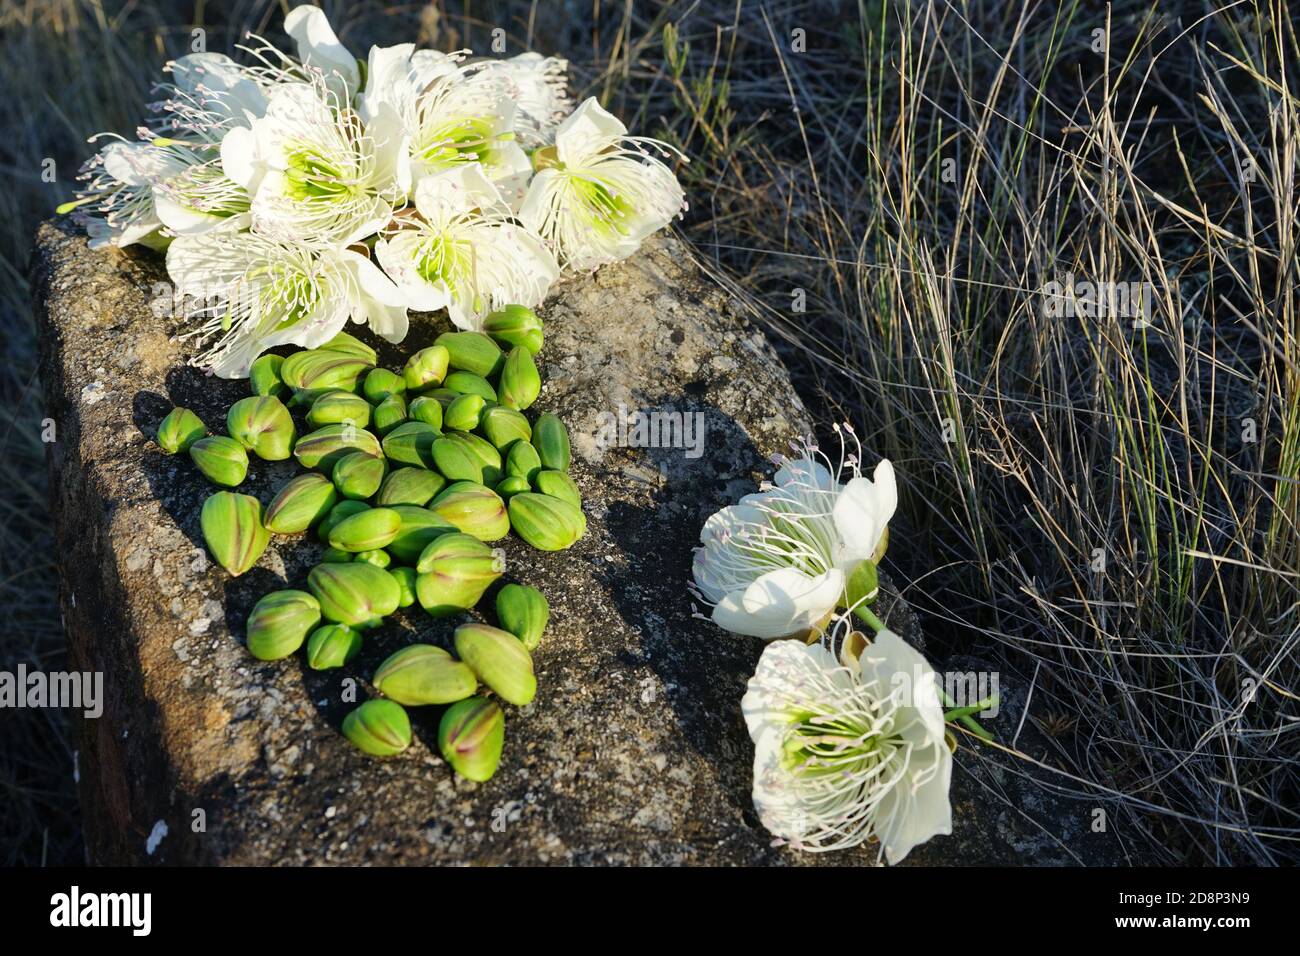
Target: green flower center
464,141
312,176
607,213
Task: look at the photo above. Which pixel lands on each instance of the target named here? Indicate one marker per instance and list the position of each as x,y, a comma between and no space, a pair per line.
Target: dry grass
1026,441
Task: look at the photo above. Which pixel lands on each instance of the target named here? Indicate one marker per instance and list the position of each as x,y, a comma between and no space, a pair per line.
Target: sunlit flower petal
806,524
463,253
598,192
251,293
843,753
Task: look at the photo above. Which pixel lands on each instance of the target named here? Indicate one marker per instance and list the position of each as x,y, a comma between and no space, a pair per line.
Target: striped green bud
558,485
366,530
332,646
471,736
499,659
339,408
379,728
474,509
410,486
453,572
264,377
547,523
512,485
351,345
463,414
471,352
520,383
323,448
357,594
263,426
551,440
522,461
421,674
523,612
358,475
515,325
316,371
300,503
180,430
428,410
390,413
426,368
464,457
411,444
280,622
381,383
233,530
467,383
222,460
504,426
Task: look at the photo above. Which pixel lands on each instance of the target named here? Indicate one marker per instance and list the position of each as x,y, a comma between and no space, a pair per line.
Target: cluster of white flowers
298,193
849,736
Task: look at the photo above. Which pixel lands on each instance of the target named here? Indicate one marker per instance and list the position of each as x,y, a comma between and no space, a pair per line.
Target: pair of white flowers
849,746
300,193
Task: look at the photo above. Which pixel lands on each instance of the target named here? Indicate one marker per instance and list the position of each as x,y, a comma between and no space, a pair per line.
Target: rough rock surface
634,750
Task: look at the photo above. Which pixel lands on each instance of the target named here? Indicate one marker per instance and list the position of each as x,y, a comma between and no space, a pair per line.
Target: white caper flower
251,293
463,252
598,192
847,752
452,114
776,563
316,172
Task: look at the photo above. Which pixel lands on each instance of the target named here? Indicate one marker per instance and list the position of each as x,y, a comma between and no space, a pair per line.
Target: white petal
805,471
388,79
139,230
138,164
889,655
222,85
586,131
862,512
780,603
183,220
372,281
318,46
779,672
919,806
732,519
201,267
456,190
239,158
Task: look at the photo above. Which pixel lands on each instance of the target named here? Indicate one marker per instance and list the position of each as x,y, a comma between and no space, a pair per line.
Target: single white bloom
538,87
598,192
254,293
451,114
848,752
776,563
463,252
116,206
319,49
315,171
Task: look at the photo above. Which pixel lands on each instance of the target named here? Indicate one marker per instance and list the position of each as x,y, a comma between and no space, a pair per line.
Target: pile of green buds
408,479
